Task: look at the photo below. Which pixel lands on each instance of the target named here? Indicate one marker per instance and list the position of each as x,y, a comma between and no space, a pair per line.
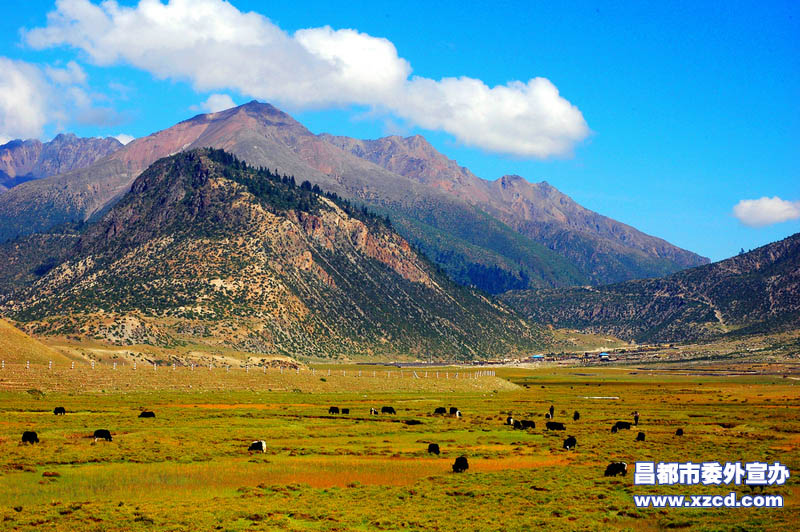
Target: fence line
343,373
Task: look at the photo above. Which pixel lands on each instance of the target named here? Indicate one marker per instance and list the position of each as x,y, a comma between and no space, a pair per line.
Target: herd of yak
461,464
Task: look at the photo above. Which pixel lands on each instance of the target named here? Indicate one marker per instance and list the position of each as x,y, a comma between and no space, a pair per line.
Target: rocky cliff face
204,249
26,160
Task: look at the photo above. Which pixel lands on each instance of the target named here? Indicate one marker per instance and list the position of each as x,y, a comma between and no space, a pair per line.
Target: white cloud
766,211
215,47
24,99
73,74
33,97
124,138
217,102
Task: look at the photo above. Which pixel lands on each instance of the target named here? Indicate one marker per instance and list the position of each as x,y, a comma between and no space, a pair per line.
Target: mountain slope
602,249
204,249
469,244
19,348
501,235
25,160
754,292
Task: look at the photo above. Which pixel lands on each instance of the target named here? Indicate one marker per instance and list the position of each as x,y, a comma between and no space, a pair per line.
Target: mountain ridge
206,249
459,220
754,292
26,160
536,210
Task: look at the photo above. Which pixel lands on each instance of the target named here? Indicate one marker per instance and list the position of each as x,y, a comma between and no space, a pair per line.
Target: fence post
115,365
92,364
134,365
50,365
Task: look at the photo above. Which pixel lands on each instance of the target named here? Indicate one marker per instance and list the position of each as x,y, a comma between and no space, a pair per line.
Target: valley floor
189,468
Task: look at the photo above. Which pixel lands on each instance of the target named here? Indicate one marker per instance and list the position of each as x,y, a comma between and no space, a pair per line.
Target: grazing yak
30,437
679,432
570,443
510,420
555,425
440,410
373,411
614,429
453,411
547,415
623,425
458,413
60,411
528,424
333,410
388,410
640,436
433,448
460,465
576,416
258,445
518,424
102,434
345,410
147,413
616,468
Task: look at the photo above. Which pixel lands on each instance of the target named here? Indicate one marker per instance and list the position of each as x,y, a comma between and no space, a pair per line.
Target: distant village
636,353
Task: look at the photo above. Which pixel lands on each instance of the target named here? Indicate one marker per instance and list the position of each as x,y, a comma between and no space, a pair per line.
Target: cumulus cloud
217,102
766,211
73,74
124,138
214,46
33,96
24,100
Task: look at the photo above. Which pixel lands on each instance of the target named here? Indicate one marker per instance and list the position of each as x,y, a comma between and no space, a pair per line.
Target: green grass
188,469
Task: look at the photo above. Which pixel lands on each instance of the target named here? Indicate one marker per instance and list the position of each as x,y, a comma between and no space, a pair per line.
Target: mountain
25,160
603,250
497,236
205,249
472,247
754,292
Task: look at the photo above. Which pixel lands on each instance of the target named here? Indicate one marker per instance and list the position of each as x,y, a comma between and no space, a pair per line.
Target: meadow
189,468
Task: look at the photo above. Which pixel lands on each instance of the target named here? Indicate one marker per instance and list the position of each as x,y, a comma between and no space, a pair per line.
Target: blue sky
667,114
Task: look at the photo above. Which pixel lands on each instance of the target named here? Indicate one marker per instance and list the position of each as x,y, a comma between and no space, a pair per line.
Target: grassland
188,469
